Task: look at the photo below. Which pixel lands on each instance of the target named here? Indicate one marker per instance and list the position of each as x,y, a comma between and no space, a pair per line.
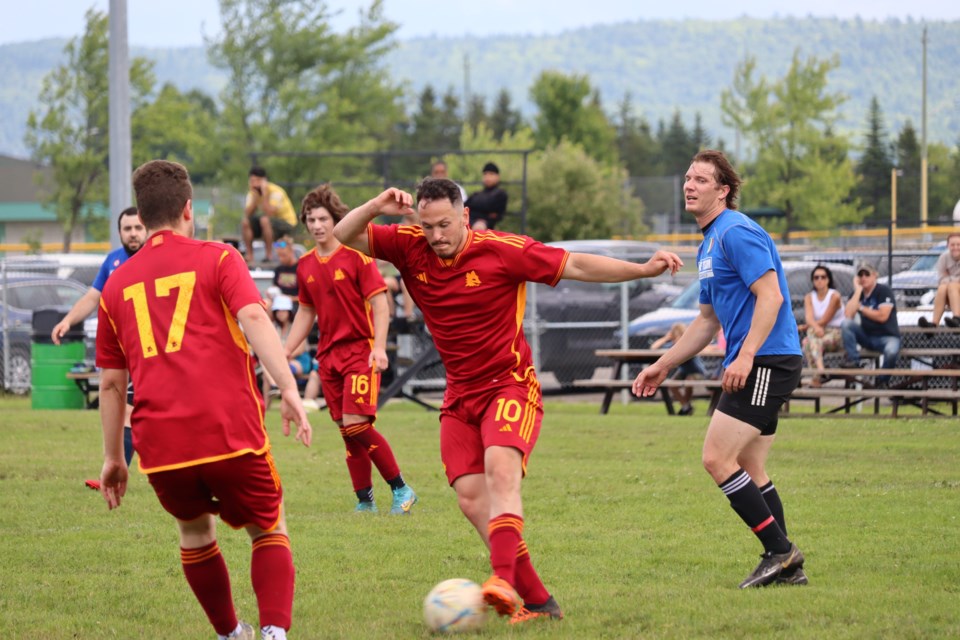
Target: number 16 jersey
168,315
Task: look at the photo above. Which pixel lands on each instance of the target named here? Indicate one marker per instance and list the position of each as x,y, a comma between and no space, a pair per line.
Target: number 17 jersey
169,317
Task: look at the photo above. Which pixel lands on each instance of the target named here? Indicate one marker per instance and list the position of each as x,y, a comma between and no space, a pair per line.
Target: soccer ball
454,605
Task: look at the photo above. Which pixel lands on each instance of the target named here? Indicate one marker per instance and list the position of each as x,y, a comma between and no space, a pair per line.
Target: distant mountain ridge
664,65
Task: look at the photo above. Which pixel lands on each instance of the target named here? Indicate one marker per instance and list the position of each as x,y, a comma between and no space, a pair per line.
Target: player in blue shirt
743,290
132,236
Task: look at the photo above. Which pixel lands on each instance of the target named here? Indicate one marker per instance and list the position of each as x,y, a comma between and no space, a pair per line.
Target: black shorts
130,393
768,386
280,227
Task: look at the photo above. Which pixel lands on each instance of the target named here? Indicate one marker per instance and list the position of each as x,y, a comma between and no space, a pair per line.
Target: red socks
207,575
376,446
272,574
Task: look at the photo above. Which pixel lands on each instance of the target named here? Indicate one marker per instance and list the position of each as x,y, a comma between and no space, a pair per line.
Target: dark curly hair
439,189
323,196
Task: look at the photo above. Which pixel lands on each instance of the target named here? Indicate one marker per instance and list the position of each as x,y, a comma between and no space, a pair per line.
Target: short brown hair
323,196
431,189
162,189
724,173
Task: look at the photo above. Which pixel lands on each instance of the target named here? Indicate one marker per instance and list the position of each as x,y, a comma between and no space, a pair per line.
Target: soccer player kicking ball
172,316
743,290
343,290
470,287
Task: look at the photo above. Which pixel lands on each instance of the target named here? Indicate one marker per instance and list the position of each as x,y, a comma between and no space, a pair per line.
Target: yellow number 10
137,293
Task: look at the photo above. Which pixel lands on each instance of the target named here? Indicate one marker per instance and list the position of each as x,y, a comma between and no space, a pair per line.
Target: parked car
574,319
82,267
645,329
910,286
24,293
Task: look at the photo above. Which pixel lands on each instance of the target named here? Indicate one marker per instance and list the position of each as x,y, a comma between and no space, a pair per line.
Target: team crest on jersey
705,268
338,275
116,263
473,280
422,277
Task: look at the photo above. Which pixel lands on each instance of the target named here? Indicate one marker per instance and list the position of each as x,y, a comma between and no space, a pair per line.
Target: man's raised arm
352,228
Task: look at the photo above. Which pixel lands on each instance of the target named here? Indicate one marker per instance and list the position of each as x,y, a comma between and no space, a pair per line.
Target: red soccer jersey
169,317
339,286
473,304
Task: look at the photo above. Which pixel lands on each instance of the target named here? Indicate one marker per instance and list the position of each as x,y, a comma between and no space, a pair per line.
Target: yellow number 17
137,293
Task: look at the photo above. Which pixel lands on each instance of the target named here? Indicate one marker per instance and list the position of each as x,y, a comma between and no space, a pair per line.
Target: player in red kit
172,316
342,290
471,289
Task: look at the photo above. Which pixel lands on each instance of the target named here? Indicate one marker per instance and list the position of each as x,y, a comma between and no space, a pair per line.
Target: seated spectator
301,364
878,329
823,319
285,273
692,369
268,214
948,290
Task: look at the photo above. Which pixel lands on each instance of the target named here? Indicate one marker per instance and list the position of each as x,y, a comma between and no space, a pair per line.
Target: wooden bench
859,386
707,388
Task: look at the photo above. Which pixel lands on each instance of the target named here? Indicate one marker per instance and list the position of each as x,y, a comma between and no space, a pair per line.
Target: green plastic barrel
50,365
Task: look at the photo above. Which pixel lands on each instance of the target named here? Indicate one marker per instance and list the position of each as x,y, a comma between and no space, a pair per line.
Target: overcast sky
174,23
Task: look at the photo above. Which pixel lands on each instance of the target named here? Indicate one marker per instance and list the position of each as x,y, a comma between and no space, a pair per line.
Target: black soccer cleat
795,577
772,565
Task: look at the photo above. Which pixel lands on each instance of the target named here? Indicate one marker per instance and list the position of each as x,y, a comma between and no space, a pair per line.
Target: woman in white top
823,318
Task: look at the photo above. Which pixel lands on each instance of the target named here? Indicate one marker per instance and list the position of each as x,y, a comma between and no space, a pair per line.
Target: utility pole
923,140
120,155
466,85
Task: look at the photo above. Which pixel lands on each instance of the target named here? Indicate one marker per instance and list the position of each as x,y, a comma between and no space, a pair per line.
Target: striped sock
273,576
505,533
377,448
746,500
772,498
207,575
529,585
358,462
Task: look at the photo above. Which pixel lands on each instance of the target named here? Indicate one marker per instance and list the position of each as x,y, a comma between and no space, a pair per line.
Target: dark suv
24,293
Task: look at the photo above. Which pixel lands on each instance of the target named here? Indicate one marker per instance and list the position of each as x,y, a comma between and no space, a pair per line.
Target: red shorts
506,414
243,490
350,386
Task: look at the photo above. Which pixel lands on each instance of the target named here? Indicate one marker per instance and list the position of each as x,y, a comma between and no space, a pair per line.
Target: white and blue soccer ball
455,605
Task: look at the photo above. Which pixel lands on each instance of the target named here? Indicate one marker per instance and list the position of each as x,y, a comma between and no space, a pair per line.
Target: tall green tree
907,156
636,146
294,84
875,165
800,165
504,118
574,196
69,132
569,109
678,146
436,124
177,126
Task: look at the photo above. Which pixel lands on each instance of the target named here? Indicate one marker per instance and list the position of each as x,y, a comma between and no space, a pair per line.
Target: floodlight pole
120,154
923,141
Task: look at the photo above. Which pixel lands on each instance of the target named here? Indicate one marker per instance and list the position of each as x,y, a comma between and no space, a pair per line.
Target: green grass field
626,528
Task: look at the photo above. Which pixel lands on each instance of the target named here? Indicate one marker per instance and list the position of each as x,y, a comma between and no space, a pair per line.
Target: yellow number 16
137,293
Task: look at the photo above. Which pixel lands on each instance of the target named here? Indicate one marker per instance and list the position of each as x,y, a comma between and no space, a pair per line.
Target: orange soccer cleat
499,594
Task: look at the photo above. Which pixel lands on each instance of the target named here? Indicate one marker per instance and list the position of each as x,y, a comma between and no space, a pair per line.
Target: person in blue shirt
132,236
743,290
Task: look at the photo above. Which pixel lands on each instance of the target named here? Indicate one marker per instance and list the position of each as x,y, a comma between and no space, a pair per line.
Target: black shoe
686,411
953,323
924,323
793,577
772,565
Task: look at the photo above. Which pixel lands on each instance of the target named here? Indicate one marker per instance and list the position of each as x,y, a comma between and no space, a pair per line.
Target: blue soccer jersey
113,260
735,253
